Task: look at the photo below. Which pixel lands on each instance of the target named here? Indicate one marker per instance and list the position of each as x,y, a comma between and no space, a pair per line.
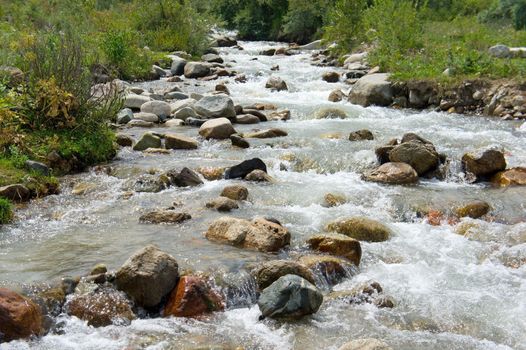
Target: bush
6,211
344,24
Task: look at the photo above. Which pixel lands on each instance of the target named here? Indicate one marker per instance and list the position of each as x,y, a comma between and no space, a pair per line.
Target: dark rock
361,135
187,178
37,167
484,162
244,168
238,141
192,297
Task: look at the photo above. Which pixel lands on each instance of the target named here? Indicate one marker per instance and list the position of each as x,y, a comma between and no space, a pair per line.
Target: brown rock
276,84
510,177
484,162
235,192
164,217
16,192
175,141
192,297
331,77
219,128
421,156
336,96
280,115
19,317
333,200
264,134
392,173
474,209
361,135
222,204
339,245
361,228
258,176
124,140
333,269
271,271
211,173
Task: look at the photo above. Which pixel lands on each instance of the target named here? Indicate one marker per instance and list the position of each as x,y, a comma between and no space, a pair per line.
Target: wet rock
276,84
336,96
392,173
239,141
338,245
361,228
268,52
220,128
372,89
124,140
382,153
225,41
331,77
235,192
420,156
194,122
361,135
160,108
196,70
216,106
187,178
146,183
222,88
177,67
212,173
148,276
147,140
222,204
365,344
212,58
124,116
83,188
140,124
267,273
185,113
330,113
258,234
164,217
331,268
264,134
474,209
244,168
484,162
98,269
333,200
16,192
146,117
180,104
258,176
19,317
192,297
290,297
281,115
510,177
247,119
102,307
134,101
175,141
37,167
175,95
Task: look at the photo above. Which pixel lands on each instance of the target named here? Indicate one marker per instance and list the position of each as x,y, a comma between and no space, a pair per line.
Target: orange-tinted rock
510,177
192,297
19,317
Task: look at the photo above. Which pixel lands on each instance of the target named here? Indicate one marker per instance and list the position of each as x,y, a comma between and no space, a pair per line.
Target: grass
6,211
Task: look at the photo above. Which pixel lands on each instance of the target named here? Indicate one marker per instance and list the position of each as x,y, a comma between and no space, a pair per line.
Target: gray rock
220,128
216,106
196,70
140,123
185,113
159,71
124,116
148,140
174,122
177,67
147,117
175,141
175,95
37,167
177,105
373,89
290,296
421,156
159,108
247,119
187,178
135,101
500,51
212,58
276,84
222,204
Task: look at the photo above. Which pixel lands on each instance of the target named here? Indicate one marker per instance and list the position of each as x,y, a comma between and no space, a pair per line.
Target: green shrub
344,24
6,211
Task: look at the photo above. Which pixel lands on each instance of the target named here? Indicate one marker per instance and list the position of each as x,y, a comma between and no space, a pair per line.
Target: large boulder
102,307
196,70
220,128
159,108
147,140
216,106
258,234
176,141
361,228
372,89
148,276
235,192
337,244
392,173
19,317
365,344
178,65
180,104
16,192
267,273
244,168
421,156
192,297
510,177
484,161
290,297
135,101
276,84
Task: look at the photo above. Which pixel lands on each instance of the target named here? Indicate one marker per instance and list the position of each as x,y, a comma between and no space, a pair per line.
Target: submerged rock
164,217
235,192
244,168
484,161
276,84
333,200
258,176
330,113
192,297
19,317
392,173
361,135
265,134
510,177
474,209
337,244
362,229
365,344
148,276
290,297
270,271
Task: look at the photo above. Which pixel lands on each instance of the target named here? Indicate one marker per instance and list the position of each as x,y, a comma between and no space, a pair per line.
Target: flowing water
450,291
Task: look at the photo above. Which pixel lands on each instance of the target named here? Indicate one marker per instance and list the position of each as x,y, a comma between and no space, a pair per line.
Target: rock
159,108
192,297
135,101
420,156
361,135
247,119
274,67
392,173
281,115
146,183
268,52
510,177
365,344
175,141
180,104
276,84
147,140
337,244
175,95
373,89
220,128
235,192
500,51
222,204
177,67
290,297
474,209
124,116
333,200
265,134
258,234
37,167
361,228
158,71
330,113
222,88
356,57
148,276
244,168
103,307
267,273
484,162
140,124
124,140
225,41
315,45
82,188
16,193
98,269
187,178
216,106
336,96
194,122
185,113
212,173
212,58
196,70
412,137
146,117
164,217
382,153
331,268
258,176
238,141
173,123
12,76
331,77
19,317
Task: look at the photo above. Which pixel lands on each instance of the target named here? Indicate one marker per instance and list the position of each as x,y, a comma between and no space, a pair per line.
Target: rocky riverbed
245,210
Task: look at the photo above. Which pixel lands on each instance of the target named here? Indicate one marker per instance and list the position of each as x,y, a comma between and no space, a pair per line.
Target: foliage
6,211
344,24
